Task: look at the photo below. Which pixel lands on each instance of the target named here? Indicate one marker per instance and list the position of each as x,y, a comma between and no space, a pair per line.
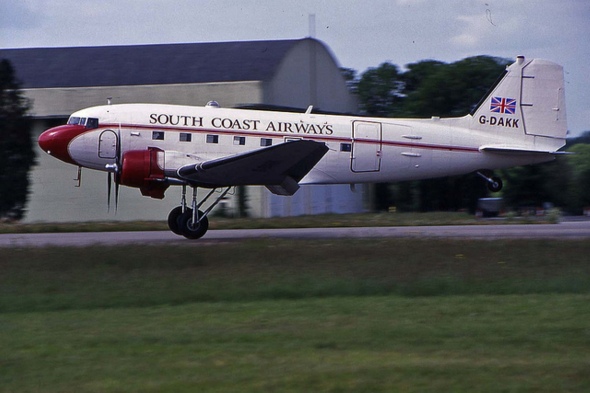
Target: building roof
147,64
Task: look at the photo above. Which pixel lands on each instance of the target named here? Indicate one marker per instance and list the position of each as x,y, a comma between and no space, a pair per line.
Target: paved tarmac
564,230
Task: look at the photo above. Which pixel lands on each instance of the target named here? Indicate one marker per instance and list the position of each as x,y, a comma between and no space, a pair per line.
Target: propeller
114,168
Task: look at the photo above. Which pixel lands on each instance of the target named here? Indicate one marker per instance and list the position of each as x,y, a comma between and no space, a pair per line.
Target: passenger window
239,140
265,142
185,137
212,138
345,147
158,135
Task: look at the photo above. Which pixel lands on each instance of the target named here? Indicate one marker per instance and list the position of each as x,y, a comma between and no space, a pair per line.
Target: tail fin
527,106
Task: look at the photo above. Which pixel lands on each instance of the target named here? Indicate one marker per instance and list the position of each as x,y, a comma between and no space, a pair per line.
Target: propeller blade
117,168
109,181
116,194
118,149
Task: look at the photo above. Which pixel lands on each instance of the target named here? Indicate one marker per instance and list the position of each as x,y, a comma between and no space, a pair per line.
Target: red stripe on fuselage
323,138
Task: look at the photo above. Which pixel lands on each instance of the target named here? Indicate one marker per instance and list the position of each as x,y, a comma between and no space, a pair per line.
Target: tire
496,185
188,230
173,218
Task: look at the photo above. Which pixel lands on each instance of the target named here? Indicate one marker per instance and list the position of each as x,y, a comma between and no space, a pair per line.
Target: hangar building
285,73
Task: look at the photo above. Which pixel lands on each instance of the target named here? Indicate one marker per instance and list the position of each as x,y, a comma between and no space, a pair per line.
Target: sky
361,34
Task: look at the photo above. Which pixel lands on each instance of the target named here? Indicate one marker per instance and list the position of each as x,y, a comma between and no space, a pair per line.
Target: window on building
158,135
212,138
185,137
265,142
239,140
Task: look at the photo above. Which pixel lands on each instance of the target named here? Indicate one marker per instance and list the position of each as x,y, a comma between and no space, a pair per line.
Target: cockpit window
74,120
90,122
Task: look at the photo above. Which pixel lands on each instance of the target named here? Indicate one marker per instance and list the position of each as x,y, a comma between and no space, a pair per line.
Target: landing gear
494,183
193,228
191,222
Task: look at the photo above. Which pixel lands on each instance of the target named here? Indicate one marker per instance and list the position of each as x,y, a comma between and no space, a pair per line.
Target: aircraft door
366,146
107,144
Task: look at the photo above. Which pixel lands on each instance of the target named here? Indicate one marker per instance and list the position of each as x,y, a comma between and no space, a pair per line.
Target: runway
564,230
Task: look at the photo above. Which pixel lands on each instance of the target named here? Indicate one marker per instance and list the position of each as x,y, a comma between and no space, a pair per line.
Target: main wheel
190,230
174,217
495,185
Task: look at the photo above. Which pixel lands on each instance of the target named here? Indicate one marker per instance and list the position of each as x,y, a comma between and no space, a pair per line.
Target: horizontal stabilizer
514,150
281,167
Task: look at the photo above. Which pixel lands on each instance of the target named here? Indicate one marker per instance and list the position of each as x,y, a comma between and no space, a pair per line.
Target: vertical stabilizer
527,103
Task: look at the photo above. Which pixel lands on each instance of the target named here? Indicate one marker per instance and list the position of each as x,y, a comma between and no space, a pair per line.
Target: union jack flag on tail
503,105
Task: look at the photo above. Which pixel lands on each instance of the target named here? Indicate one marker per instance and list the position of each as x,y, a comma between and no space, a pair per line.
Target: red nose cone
55,141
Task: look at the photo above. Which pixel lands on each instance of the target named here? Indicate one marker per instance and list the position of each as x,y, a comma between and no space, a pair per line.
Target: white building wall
63,101
309,199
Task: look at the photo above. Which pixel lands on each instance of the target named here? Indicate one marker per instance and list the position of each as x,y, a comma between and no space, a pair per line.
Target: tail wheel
192,230
495,185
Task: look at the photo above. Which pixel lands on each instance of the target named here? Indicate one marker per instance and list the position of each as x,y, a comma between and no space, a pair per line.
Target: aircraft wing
278,167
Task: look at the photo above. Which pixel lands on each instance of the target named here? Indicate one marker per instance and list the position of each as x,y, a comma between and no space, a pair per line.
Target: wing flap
278,167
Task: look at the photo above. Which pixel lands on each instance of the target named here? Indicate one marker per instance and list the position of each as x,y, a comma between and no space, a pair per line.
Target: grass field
291,316
310,221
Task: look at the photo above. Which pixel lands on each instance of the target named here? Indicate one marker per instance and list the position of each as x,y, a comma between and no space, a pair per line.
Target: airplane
521,121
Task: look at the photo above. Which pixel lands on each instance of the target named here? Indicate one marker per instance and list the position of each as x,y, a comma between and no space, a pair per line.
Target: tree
524,186
16,145
350,77
438,89
380,90
580,179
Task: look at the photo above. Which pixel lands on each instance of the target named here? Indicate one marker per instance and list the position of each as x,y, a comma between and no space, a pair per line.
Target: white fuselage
361,150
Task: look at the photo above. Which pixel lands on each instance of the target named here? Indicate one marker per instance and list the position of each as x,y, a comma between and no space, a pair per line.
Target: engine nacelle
144,169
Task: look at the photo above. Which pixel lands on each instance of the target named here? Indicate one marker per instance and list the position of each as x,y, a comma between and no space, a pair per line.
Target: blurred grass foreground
338,315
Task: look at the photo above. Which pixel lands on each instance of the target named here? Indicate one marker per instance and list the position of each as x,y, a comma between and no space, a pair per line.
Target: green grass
42,279
311,221
533,343
298,316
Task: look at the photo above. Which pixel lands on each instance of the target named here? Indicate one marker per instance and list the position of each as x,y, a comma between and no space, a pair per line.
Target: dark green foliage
580,177
16,146
437,89
564,182
349,76
427,88
380,90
